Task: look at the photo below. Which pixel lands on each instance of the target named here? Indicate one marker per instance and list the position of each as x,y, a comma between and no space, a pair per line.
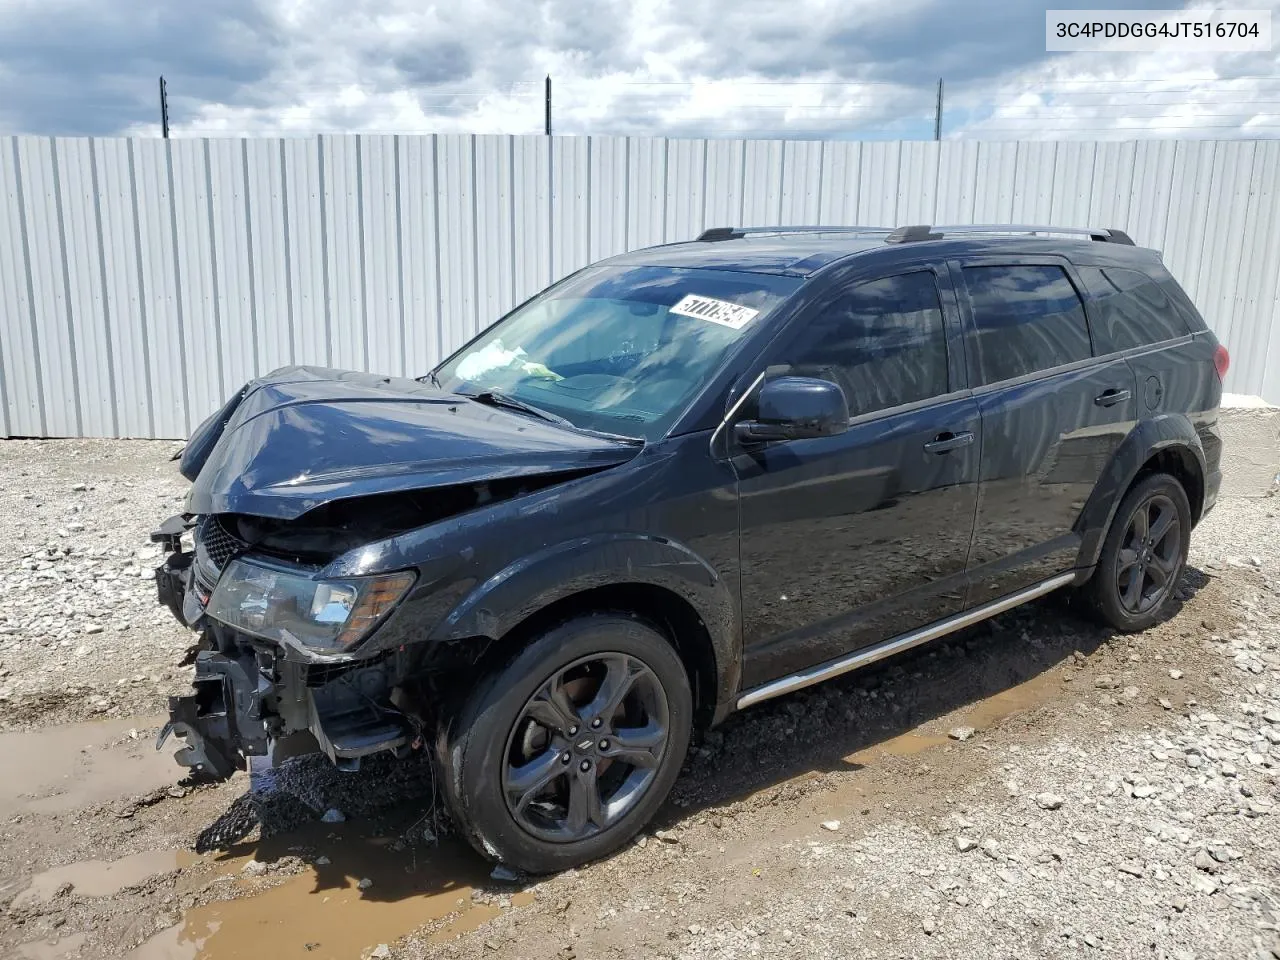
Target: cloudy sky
792,68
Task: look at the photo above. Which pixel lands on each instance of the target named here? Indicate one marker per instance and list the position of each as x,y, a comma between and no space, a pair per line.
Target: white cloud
829,68
1116,95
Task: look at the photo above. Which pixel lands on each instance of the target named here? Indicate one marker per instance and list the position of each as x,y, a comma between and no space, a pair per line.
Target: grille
218,544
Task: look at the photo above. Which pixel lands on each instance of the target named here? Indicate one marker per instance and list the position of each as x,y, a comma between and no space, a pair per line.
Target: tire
505,775
1156,566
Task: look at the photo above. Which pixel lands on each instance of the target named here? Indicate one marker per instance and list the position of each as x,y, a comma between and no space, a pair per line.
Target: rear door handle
1109,398
948,441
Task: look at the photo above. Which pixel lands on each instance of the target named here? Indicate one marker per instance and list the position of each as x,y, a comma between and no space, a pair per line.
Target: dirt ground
1035,787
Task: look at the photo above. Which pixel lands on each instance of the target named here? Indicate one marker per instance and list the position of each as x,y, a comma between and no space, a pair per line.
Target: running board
834,668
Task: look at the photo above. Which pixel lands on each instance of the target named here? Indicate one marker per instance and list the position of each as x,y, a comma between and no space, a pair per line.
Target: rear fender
508,598
1172,431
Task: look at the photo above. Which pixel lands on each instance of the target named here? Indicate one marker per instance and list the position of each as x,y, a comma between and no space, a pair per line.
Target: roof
802,251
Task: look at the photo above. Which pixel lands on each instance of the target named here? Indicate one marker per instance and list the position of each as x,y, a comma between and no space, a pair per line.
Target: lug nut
604,744
595,724
584,766
573,730
564,757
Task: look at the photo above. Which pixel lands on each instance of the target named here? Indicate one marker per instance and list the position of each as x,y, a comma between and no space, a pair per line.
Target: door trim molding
731,413
898,644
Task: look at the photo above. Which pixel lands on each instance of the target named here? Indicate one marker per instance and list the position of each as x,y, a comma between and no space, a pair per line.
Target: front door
852,539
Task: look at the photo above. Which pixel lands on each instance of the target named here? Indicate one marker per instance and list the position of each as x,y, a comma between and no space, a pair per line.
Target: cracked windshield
617,350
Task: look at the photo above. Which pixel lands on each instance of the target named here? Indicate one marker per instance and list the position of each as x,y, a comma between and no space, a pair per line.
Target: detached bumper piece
172,575
171,584
349,736
242,704
222,721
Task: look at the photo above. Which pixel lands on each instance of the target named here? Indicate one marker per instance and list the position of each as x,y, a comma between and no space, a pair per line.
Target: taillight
1221,360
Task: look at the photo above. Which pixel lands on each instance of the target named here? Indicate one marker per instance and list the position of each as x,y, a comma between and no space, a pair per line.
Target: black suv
677,483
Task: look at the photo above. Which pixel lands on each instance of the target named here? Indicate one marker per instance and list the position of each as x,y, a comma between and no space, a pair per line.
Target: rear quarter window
1026,318
1174,291
1131,309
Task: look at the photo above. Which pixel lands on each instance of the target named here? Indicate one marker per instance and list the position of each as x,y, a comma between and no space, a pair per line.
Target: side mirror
796,408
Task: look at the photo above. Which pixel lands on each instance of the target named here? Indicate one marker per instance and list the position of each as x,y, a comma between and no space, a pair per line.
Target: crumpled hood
304,436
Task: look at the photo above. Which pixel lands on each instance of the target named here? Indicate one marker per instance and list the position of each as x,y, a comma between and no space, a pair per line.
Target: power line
1272,77
1057,106
1067,117
1155,103
755,83
977,130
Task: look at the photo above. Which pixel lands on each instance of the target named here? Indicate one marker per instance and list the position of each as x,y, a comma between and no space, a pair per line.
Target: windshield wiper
435,380
494,398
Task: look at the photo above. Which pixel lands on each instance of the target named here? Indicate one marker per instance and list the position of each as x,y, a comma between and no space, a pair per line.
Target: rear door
1052,415
848,540
1135,312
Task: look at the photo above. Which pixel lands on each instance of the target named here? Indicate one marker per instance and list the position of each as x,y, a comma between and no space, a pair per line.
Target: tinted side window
1026,318
883,341
1172,289
1132,308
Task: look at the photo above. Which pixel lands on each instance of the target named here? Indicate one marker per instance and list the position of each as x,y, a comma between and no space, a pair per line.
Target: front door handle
1109,398
948,441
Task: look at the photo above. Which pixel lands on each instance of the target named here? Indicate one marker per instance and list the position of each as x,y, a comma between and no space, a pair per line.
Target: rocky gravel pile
1156,843
81,634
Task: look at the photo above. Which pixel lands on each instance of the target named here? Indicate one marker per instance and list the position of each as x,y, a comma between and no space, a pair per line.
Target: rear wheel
1143,556
562,755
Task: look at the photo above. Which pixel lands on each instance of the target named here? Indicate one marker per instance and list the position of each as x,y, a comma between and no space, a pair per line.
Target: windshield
617,349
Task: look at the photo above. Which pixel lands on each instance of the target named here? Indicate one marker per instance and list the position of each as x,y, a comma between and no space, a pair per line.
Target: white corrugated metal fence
141,281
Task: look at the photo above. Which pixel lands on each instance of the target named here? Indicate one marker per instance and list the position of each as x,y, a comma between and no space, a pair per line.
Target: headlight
327,616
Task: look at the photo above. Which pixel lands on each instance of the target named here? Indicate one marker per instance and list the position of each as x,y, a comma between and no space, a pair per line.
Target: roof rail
734,233
921,231
918,232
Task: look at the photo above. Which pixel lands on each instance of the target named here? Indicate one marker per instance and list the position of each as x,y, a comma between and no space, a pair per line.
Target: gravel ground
1035,787
80,632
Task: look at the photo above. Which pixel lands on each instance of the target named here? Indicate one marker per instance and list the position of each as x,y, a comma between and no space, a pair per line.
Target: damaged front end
261,677
309,470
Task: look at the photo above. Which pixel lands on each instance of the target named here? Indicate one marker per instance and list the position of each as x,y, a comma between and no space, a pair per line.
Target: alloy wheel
1149,555
585,747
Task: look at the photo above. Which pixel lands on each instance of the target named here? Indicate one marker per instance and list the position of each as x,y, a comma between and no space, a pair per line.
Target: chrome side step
834,668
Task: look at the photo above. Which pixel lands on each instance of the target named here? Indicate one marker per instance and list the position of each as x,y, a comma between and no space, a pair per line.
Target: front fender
493,608
206,436
1145,440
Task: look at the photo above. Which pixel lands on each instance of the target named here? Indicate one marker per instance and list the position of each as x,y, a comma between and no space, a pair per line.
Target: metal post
548,125
937,115
164,109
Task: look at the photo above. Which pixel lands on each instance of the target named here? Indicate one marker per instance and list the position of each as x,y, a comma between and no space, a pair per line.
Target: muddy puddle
322,912
175,943
1026,696
982,715
53,949
903,745
65,768
97,878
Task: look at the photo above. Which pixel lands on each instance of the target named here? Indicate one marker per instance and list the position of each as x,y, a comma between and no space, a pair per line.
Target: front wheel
1143,556
562,755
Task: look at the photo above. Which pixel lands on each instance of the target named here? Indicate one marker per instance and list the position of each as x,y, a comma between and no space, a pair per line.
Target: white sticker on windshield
717,311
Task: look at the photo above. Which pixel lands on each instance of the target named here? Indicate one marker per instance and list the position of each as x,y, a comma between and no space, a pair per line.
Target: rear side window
1132,308
1025,318
1190,315
883,342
